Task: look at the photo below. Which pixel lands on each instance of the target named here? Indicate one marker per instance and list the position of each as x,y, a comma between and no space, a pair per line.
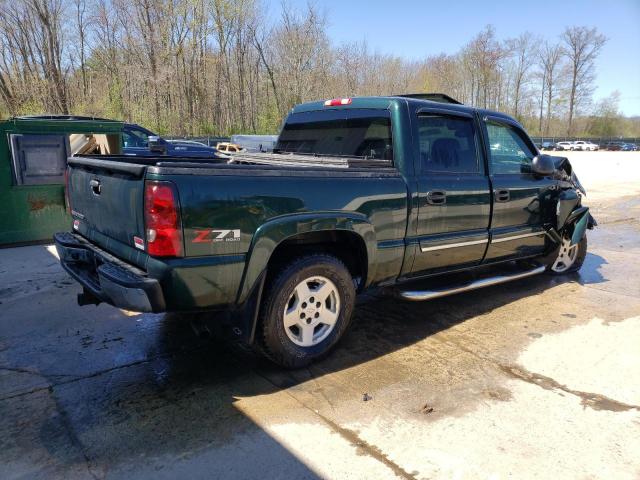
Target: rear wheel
570,257
306,310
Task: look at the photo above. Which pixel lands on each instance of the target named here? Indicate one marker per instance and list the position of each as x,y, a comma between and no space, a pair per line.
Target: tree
606,121
218,67
549,57
581,47
522,49
481,59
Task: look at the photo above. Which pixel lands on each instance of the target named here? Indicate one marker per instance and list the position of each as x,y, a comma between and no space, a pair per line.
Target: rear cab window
354,133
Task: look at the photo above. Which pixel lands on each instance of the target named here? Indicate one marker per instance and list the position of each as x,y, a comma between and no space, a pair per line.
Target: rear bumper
109,279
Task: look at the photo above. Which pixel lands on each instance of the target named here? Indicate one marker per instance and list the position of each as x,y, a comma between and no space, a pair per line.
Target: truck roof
386,101
64,117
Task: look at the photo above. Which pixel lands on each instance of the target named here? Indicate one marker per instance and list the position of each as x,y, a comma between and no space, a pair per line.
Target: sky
418,28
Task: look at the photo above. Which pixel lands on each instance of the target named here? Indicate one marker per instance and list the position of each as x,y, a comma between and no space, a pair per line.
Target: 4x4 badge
205,236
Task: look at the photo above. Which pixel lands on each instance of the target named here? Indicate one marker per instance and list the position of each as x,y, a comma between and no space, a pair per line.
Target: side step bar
420,295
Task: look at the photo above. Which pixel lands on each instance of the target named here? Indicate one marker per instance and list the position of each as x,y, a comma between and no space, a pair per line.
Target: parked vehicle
613,146
138,141
549,146
564,146
255,143
359,193
629,147
584,146
228,147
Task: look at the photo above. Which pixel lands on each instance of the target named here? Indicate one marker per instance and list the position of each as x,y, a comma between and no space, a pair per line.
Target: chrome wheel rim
311,312
566,256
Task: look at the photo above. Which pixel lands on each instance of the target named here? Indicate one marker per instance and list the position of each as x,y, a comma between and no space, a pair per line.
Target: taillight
67,194
336,102
162,220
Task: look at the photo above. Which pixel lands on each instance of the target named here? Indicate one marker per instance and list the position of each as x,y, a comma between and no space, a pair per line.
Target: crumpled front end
572,219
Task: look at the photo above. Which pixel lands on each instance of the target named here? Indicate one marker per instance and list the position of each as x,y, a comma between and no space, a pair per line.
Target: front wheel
570,257
306,310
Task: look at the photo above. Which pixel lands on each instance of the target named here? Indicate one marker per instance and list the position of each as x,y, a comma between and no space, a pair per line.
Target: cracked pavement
539,378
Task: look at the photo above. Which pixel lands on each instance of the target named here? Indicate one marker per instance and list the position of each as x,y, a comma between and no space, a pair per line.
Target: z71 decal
211,236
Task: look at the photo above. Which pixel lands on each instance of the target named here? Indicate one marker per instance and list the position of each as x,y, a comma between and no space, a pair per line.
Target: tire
576,260
314,327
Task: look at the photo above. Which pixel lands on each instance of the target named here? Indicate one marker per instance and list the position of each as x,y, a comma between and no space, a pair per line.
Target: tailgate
107,197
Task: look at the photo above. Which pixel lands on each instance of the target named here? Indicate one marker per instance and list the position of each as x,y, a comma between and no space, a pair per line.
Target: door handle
95,187
501,195
437,197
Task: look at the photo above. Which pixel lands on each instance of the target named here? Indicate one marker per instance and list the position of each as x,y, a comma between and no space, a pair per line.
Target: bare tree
522,49
190,67
550,57
581,47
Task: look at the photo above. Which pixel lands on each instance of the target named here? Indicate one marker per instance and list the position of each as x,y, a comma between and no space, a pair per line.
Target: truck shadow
189,399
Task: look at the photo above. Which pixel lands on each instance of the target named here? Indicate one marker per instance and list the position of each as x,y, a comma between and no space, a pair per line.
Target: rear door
522,201
453,191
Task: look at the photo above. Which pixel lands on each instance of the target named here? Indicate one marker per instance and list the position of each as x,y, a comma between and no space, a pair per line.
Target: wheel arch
284,238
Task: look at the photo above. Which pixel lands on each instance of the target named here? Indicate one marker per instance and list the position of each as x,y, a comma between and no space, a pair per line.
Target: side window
134,138
39,159
447,144
509,151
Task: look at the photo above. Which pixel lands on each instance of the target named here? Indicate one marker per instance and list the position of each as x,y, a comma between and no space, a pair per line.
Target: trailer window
39,159
338,132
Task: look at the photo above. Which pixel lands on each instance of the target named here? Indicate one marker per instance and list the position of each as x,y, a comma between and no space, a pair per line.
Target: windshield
338,132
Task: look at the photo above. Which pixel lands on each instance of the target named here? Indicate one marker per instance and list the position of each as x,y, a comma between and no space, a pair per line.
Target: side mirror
543,165
157,145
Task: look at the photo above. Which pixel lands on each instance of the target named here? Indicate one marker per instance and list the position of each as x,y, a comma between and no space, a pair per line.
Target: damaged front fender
580,227
576,223
572,219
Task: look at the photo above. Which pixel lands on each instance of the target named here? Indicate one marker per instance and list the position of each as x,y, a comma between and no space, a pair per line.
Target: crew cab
415,197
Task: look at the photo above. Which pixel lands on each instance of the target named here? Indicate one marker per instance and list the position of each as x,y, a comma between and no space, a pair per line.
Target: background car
629,147
584,146
135,141
564,146
549,146
613,146
228,147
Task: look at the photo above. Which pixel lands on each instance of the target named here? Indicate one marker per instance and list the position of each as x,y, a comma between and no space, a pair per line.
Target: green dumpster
33,158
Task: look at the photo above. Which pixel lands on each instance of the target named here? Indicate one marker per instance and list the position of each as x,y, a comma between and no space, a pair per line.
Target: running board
420,295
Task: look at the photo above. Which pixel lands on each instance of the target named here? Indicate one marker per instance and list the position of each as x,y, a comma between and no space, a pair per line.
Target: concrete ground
536,379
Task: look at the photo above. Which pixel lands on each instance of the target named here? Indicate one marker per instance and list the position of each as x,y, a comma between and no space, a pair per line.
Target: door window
132,137
509,151
447,144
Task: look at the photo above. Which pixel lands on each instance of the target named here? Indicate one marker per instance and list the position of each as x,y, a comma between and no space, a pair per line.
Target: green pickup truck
415,197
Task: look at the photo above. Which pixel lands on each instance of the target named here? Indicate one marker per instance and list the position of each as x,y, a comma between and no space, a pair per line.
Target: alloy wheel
311,311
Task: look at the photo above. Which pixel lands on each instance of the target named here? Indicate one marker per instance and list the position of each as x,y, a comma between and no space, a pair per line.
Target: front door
522,201
453,191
